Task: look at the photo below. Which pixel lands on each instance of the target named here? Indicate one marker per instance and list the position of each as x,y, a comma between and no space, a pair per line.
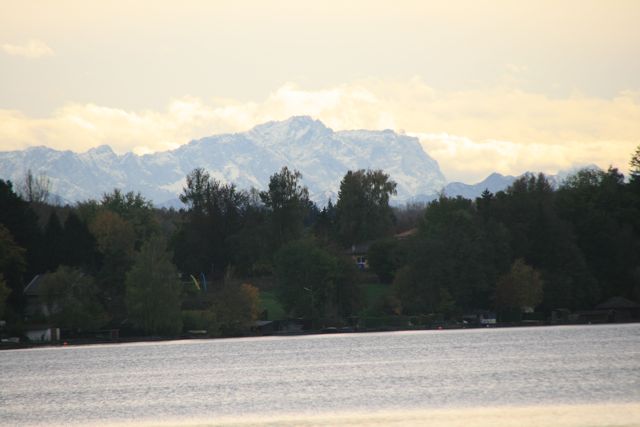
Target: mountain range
247,159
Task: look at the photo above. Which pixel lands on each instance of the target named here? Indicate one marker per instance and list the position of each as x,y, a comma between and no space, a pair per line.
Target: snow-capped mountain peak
246,159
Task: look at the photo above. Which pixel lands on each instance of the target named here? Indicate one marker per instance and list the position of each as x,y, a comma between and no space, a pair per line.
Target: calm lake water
392,376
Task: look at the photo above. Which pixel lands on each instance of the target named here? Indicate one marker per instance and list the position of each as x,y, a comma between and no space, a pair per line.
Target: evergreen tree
78,246
12,267
4,294
52,244
21,221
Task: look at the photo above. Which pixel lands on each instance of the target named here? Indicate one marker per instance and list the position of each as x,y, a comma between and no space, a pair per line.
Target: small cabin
34,292
359,254
42,333
620,309
480,318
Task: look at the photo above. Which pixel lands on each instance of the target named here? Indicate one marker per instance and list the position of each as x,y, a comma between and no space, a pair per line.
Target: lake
562,375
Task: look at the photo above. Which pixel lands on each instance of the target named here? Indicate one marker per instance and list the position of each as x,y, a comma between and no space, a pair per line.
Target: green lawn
269,301
374,292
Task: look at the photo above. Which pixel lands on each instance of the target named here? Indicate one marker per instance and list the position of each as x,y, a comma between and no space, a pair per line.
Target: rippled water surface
321,375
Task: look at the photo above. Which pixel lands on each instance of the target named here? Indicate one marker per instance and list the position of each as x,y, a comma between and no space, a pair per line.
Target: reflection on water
406,376
619,415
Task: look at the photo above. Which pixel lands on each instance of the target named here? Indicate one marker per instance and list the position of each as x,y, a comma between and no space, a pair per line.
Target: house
291,326
263,327
42,333
620,309
359,251
37,309
37,306
479,318
592,316
359,254
406,234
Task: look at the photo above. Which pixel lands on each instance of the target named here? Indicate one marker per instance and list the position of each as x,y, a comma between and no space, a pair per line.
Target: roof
476,311
39,327
34,287
360,248
406,234
261,323
617,302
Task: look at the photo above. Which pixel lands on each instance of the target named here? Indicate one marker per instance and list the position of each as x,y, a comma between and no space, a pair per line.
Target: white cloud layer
471,133
32,49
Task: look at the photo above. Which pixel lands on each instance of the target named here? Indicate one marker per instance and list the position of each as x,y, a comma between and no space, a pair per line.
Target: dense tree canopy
362,211
134,209
17,216
315,283
13,265
215,212
287,201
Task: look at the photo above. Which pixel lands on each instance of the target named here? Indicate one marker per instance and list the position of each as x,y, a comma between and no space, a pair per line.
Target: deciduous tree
287,201
362,209
235,306
135,209
216,211
520,288
153,290
115,239
35,189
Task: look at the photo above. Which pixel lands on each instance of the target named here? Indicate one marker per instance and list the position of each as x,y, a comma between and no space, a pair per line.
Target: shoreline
133,340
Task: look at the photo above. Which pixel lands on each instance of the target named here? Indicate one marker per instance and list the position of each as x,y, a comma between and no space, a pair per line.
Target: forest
233,256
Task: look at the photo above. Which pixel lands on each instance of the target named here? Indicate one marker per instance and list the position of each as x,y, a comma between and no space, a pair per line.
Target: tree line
118,262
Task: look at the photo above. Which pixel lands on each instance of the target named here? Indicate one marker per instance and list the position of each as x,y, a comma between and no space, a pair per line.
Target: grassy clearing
269,301
375,292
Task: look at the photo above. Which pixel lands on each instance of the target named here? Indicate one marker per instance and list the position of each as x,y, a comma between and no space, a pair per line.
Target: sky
486,86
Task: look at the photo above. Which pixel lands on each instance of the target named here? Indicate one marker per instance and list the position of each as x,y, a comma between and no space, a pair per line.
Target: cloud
471,133
32,49
470,161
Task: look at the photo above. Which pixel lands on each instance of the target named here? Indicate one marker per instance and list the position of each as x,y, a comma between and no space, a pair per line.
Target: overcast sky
504,86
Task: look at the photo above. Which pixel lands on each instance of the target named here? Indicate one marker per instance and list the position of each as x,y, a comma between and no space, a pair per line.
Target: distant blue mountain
494,183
